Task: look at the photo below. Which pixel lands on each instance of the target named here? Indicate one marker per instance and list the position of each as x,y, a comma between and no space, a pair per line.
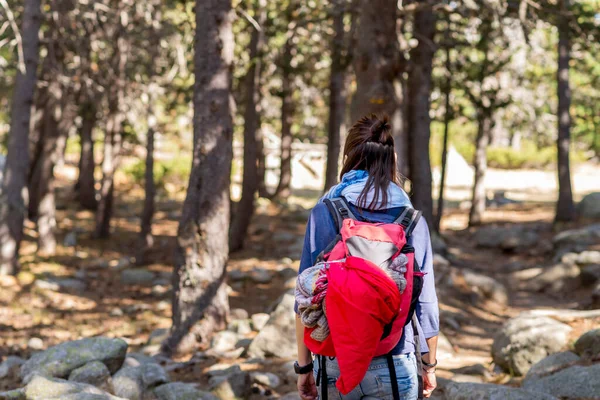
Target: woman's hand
429,382
307,388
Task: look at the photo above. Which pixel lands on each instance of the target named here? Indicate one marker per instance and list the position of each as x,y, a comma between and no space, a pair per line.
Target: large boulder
59,361
506,238
576,238
43,388
278,337
134,383
17,394
525,340
589,206
488,391
552,364
93,373
181,391
559,277
577,382
9,368
588,345
486,286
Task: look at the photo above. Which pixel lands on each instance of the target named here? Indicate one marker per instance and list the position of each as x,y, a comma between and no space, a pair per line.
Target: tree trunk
252,135
146,240
565,209
202,239
283,190
377,62
337,96
86,183
484,127
447,119
113,136
419,89
13,201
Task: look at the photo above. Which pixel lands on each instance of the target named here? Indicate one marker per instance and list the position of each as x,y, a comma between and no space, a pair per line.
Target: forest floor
33,315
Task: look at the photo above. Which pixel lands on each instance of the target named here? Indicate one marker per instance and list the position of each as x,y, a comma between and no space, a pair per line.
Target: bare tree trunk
419,89
252,134
377,61
199,278
484,126
113,136
337,96
565,209
146,240
447,119
86,183
13,196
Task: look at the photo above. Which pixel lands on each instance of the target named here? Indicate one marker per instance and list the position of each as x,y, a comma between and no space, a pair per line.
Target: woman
372,187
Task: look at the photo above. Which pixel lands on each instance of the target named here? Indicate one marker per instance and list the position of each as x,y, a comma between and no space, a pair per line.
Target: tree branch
11,19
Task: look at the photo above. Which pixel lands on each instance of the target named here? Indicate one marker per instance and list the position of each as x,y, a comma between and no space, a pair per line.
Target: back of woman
372,189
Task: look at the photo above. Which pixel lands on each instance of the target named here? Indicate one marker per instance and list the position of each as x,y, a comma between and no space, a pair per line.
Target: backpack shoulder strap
339,210
408,218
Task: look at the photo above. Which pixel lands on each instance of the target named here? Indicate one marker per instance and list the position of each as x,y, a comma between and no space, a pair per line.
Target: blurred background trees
121,90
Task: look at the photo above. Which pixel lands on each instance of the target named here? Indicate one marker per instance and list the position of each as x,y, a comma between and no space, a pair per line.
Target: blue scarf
352,185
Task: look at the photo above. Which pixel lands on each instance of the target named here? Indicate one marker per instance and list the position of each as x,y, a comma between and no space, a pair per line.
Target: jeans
377,382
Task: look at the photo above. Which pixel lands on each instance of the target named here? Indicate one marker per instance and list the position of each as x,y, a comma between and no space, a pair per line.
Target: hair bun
379,128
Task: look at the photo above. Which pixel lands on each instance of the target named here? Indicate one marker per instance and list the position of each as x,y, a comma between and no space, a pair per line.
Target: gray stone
588,257
551,364
240,326
17,394
70,239
35,343
237,275
138,359
231,387
588,345
590,274
587,235
277,338
475,369
557,278
224,341
153,375
488,391
239,313
506,238
137,276
93,373
43,388
524,240
10,367
261,275
575,382
223,370
58,361
128,383
61,284
291,396
181,391
525,340
288,273
260,320
488,287
589,206
266,379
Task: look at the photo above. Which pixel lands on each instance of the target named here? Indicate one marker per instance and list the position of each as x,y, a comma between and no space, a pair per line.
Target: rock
590,274
9,368
506,238
557,278
138,359
288,273
575,382
277,338
440,262
240,326
237,275
43,388
137,276
488,287
488,391
116,312
291,396
266,379
259,321
127,383
525,340
588,345
93,373
582,236
239,313
224,341
61,284
589,206
17,394
445,349
438,244
153,375
35,343
58,361
588,257
475,369
223,370
551,364
158,336
181,391
70,239
261,275
230,387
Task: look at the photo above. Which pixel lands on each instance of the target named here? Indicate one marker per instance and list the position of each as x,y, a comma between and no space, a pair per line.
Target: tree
13,197
419,88
337,93
377,65
252,131
565,209
201,255
86,183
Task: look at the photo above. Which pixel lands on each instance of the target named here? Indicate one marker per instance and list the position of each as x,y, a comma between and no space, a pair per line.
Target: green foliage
175,170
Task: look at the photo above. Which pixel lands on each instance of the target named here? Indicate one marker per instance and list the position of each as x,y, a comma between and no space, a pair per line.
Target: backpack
364,251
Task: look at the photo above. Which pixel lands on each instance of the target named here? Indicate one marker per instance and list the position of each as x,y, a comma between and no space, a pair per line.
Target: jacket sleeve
427,307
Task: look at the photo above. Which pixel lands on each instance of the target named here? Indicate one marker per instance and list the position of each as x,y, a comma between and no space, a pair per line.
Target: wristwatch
303,370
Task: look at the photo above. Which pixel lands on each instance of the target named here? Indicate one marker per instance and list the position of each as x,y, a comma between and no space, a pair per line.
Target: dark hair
370,147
